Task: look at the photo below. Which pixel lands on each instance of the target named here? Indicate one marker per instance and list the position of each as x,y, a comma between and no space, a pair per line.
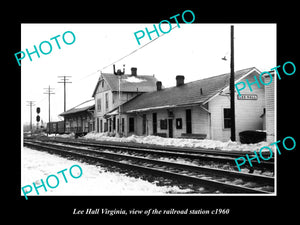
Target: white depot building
198,109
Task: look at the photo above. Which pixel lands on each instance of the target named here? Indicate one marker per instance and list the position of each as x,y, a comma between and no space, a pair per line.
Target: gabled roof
82,107
129,83
184,95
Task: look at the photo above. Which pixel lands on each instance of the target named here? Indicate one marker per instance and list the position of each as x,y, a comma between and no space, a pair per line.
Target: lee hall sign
247,97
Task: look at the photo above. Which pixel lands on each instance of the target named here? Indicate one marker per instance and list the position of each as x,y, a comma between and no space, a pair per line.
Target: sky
193,50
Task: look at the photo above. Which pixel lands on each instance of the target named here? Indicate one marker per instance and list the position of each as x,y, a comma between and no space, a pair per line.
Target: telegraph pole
31,103
49,91
119,74
232,106
65,81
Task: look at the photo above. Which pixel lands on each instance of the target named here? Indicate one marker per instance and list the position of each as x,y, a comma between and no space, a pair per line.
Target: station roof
192,93
129,83
82,107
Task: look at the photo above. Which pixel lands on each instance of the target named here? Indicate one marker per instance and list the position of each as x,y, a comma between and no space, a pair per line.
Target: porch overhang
162,107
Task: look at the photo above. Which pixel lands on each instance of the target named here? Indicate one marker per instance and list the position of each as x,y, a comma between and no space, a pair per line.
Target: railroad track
204,156
220,180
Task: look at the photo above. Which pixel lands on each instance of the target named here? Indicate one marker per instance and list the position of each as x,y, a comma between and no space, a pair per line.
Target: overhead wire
134,51
123,57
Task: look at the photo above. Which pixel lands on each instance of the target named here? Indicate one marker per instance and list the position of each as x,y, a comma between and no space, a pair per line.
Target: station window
97,124
188,120
114,123
101,128
154,122
105,126
163,124
99,104
131,124
227,118
123,123
144,123
106,101
178,123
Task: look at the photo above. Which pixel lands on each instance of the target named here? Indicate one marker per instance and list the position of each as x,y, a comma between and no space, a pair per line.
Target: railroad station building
200,109
107,99
80,119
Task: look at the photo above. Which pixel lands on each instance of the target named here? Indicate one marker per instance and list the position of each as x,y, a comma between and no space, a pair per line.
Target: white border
204,195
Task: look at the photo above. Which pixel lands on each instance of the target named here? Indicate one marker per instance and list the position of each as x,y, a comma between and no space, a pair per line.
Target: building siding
270,109
207,119
79,122
247,112
199,121
113,102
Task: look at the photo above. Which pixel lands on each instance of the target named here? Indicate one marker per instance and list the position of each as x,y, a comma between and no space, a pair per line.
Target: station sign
247,97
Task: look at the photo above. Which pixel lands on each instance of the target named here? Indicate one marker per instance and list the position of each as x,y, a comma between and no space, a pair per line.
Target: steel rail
249,177
211,183
129,145
204,155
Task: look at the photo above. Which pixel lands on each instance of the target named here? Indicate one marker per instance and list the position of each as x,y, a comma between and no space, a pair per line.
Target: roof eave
227,87
79,111
162,107
94,92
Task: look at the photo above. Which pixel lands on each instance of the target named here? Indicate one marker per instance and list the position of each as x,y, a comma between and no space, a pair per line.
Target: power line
136,49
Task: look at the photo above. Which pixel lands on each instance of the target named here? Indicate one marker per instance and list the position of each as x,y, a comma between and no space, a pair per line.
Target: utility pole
119,74
49,91
232,106
65,81
31,103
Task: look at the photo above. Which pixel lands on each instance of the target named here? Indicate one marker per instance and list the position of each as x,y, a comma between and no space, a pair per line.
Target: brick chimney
158,85
133,71
179,80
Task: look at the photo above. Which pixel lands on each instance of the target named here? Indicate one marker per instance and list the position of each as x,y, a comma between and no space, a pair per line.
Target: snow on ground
95,180
71,135
180,142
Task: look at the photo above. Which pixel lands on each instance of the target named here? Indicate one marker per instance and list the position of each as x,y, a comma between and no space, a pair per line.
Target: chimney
158,85
179,80
133,71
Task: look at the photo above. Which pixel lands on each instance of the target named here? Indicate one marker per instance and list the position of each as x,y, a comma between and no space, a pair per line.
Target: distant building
199,109
106,97
79,119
